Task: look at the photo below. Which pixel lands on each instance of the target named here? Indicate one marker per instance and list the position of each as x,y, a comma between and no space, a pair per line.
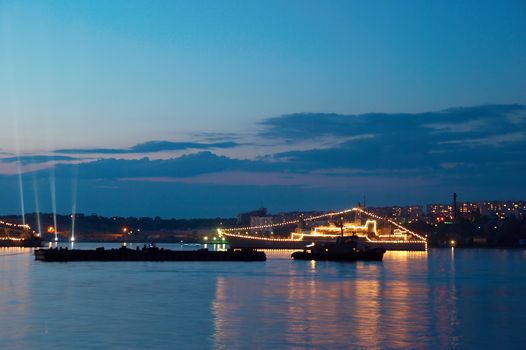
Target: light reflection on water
14,291
339,305
442,299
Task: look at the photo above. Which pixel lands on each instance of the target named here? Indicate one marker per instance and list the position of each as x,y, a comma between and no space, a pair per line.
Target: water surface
441,299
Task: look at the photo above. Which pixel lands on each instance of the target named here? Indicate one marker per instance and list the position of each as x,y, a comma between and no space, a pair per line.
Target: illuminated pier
18,235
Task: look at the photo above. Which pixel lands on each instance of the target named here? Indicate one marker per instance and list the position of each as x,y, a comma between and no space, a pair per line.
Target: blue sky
210,108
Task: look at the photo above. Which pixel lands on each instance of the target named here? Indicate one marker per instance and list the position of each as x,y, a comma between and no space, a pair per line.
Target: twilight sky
191,109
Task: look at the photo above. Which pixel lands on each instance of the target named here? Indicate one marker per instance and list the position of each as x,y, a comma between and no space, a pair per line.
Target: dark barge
146,254
345,249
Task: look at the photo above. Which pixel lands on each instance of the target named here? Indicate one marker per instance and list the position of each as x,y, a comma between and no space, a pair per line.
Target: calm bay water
442,299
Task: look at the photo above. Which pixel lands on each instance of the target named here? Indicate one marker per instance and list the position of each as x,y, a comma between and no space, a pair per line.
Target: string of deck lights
230,231
15,225
392,222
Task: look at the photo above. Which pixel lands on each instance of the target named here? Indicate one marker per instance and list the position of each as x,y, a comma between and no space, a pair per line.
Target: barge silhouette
146,254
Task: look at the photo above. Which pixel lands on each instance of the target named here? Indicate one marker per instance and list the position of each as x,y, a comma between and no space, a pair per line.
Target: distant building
244,219
503,209
261,221
498,210
439,212
414,212
399,213
469,211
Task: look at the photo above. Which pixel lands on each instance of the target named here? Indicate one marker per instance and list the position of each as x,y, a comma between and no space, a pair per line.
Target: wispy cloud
38,159
215,136
493,140
468,126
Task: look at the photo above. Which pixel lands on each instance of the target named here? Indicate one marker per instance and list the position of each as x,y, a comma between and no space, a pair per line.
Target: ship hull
238,241
375,254
262,243
411,246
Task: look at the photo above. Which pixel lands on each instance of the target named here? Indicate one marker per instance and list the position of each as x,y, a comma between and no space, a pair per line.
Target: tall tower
455,207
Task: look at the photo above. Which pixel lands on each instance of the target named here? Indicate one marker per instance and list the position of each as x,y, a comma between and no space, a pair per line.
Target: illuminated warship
392,237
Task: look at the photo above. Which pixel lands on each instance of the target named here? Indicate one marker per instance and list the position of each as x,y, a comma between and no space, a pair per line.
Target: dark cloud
184,166
473,122
151,147
469,138
157,146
